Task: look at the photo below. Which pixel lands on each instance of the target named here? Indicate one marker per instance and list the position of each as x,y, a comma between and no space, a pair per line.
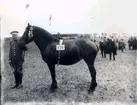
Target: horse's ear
28,24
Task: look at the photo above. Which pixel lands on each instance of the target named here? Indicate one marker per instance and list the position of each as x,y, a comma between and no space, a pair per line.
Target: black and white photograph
68,52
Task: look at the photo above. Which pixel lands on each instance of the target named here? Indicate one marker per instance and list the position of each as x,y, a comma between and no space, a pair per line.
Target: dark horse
75,50
108,47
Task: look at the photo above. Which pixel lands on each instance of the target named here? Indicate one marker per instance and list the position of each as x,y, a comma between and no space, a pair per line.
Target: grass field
117,80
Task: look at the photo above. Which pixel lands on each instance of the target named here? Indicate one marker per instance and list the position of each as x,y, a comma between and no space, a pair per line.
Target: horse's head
27,36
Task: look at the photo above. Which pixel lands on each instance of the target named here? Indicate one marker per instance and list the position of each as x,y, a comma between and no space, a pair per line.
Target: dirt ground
117,80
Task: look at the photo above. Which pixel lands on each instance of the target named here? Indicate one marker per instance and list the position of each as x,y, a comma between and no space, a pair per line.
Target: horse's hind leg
93,75
53,76
90,63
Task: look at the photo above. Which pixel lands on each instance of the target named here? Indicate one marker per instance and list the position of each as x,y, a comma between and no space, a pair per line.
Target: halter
30,34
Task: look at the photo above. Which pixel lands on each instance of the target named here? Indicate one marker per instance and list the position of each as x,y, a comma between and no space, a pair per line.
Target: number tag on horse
60,47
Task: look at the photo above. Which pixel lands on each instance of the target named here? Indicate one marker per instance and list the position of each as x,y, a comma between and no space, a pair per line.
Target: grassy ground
117,80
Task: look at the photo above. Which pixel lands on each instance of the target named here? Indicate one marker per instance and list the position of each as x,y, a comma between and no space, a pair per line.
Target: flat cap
14,32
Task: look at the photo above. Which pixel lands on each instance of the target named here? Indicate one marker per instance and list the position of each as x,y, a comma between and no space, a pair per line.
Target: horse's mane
45,32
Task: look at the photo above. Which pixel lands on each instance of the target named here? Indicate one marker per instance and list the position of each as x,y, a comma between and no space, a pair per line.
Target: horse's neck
42,40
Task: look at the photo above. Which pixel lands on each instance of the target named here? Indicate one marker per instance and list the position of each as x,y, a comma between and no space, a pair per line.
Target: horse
108,47
75,50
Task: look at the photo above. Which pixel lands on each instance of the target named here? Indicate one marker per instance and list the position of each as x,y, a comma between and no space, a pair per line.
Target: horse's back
88,45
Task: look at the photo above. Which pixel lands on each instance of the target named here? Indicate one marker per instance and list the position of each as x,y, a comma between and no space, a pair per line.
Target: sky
69,16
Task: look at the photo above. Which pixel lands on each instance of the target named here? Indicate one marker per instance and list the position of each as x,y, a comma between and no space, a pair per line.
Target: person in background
16,58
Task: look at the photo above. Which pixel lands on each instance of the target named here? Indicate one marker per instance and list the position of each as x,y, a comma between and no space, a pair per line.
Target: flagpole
50,17
50,22
26,7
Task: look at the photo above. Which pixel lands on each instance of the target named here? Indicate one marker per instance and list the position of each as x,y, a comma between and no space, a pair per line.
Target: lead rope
58,58
60,43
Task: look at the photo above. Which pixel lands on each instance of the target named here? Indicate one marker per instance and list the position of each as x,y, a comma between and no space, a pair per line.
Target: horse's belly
69,61
70,58
66,57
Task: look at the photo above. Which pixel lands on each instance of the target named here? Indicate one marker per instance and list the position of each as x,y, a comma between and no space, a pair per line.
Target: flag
27,5
50,17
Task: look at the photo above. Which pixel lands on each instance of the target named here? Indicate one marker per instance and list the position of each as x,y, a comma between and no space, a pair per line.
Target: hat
14,32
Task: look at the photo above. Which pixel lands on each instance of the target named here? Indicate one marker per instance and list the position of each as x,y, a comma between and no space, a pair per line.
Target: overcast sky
70,16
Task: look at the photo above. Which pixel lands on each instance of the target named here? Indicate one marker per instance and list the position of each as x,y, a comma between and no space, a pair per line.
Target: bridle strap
58,58
30,34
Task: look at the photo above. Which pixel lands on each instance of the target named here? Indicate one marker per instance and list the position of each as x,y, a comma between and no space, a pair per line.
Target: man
122,45
16,58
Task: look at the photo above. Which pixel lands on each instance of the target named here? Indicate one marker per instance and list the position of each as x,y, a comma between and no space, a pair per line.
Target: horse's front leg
53,76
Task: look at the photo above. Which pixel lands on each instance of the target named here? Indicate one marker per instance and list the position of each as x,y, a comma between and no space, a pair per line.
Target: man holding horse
16,58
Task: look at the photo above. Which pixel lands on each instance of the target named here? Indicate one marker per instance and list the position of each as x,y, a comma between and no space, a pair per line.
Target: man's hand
10,63
24,48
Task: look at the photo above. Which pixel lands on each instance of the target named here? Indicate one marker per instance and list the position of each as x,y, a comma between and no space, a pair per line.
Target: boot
16,84
18,80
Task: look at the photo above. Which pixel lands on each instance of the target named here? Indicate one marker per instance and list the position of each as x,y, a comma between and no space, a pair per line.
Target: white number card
60,47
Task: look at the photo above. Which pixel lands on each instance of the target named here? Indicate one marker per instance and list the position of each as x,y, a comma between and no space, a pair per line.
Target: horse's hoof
92,88
13,87
52,90
19,87
90,91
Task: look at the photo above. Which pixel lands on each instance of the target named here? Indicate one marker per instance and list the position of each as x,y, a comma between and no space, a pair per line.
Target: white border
70,103
47,103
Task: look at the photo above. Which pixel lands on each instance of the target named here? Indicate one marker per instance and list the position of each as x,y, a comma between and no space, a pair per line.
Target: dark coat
108,46
16,52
